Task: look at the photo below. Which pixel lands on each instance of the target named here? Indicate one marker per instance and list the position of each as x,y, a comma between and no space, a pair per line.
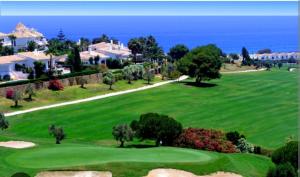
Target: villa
277,56
26,59
23,35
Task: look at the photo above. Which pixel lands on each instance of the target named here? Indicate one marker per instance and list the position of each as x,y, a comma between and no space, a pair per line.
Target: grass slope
261,105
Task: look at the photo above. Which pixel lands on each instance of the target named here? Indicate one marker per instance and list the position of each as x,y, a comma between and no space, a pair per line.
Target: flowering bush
9,93
211,140
55,85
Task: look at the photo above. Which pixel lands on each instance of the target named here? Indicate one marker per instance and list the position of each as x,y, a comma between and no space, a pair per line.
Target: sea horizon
230,33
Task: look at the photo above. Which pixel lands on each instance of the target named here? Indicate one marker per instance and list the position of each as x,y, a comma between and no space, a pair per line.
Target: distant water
230,33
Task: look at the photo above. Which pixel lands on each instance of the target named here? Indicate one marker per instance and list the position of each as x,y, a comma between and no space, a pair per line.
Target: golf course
262,105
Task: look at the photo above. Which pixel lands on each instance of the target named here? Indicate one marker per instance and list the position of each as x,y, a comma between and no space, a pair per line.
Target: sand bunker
74,174
16,144
181,173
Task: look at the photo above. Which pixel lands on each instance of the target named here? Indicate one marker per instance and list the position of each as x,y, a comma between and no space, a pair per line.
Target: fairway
262,105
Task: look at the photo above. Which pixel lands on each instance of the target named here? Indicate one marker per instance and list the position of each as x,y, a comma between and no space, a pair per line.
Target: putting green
67,156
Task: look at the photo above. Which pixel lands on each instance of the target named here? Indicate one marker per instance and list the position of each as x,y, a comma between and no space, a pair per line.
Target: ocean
230,33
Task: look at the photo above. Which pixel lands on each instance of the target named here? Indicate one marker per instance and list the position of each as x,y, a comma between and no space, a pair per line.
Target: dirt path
95,97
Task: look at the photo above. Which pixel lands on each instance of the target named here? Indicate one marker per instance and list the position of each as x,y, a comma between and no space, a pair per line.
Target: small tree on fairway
148,75
17,96
123,133
57,132
3,122
30,92
109,79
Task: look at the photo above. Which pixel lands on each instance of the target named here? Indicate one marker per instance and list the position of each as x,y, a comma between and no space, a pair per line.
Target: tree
279,65
51,51
96,60
3,122
178,52
74,60
57,132
61,36
102,38
234,137
234,56
148,75
122,133
244,146
16,97
282,170
287,153
30,92
84,44
262,51
203,63
109,79
82,82
91,60
161,128
136,47
128,73
12,39
39,68
246,57
31,46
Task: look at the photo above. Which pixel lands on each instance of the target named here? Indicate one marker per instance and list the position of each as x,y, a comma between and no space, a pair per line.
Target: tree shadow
202,84
140,146
16,107
28,99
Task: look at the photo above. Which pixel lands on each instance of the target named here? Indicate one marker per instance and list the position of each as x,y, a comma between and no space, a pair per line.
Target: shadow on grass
140,146
202,85
28,99
16,107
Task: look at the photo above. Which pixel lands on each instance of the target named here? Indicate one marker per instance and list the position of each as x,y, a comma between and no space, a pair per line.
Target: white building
8,63
277,56
23,35
114,51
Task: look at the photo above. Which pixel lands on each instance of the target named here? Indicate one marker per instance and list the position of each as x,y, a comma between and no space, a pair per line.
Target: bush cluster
55,85
205,139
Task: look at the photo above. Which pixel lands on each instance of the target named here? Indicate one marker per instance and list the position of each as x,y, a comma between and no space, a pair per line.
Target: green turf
262,105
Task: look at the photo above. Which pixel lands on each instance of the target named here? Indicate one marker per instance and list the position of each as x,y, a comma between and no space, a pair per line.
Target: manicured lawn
129,162
261,105
46,97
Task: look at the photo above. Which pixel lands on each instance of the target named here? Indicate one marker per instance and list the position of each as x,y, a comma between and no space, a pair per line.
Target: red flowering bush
55,85
205,139
9,93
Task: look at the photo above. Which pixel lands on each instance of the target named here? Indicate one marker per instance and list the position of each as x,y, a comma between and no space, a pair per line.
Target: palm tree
12,39
136,47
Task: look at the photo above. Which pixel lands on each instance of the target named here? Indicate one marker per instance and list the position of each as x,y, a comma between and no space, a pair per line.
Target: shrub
82,81
244,146
211,140
287,153
174,74
234,137
161,128
55,85
282,170
122,133
148,75
6,77
118,76
9,93
257,149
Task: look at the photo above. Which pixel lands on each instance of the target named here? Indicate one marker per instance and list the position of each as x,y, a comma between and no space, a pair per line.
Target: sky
148,8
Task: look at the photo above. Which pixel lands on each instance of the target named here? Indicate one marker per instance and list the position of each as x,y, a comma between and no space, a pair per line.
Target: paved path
94,98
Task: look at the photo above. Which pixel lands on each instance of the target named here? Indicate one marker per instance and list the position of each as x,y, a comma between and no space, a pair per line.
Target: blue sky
147,8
